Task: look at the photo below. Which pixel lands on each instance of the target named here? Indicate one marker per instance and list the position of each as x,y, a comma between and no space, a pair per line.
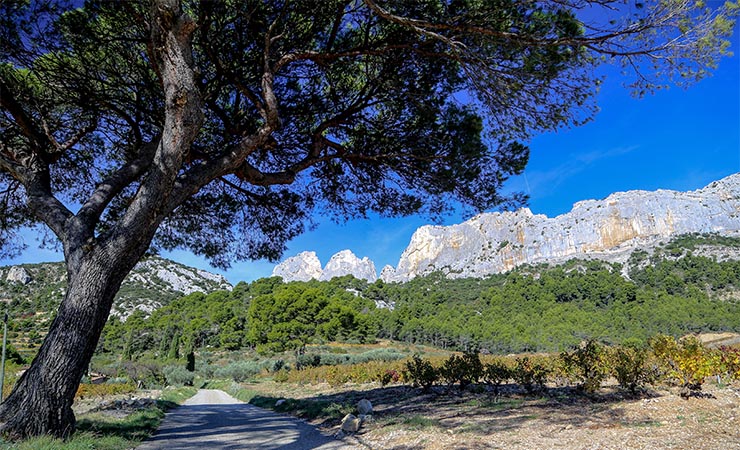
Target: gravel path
212,419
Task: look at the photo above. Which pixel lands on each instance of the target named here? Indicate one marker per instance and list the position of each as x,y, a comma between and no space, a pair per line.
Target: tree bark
41,402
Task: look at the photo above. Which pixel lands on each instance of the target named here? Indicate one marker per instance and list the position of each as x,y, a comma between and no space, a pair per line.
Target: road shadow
235,426
478,410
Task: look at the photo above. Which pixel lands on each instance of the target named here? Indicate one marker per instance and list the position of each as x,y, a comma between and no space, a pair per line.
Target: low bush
389,376
730,361
369,372
464,370
686,362
421,373
335,359
178,376
496,373
240,371
587,364
529,374
632,368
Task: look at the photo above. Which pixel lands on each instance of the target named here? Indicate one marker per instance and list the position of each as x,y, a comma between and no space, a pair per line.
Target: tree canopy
222,126
284,108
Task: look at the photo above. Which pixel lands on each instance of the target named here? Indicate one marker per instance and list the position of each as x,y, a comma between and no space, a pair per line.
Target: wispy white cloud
541,183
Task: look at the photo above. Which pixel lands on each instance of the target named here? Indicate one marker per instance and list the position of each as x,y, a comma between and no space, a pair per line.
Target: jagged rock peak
346,263
302,267
608,229
306,266
388,273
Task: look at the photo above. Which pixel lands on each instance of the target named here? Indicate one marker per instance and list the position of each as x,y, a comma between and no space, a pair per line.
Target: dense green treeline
268,315
559,307
539,308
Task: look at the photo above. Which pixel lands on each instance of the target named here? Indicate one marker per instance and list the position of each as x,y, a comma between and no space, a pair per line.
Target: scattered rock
364,407
350,423
280,402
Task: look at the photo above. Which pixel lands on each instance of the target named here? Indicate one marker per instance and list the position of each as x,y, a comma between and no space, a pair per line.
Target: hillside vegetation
674,291
541,308
32,302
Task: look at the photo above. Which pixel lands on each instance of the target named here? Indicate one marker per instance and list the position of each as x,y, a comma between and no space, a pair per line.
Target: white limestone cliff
608,229
346,263
302,267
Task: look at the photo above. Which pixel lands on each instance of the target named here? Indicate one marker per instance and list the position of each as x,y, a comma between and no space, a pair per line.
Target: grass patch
96,431
495,404
420,422
80,441
643,424
306,409
177,395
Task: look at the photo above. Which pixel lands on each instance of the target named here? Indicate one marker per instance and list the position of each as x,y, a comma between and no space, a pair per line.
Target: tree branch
110,187
171,33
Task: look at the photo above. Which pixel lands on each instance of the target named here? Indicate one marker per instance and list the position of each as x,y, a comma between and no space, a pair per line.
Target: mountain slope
32,288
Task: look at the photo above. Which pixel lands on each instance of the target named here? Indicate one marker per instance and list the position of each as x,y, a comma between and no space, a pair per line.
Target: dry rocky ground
406,419
119,405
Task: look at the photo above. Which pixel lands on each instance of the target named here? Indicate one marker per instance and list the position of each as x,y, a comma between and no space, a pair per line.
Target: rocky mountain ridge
306,266
152,283
609,229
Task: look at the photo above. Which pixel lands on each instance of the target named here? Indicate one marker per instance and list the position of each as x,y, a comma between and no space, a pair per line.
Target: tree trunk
41,402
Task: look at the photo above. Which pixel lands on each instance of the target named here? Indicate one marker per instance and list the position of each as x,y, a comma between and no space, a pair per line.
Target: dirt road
214,420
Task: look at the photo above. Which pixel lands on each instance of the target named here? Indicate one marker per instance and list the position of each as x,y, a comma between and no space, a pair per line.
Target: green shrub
496,373
587,364
239,371
631,367
465,369
178,376
307,360
421,373
281,376
334,359
278,365
530,375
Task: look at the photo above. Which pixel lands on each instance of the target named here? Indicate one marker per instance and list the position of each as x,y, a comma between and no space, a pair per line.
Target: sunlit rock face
18,274
608,229
302,267
346,263
306,266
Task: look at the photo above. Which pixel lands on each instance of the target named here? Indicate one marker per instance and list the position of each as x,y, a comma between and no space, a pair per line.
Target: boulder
350,423
364,407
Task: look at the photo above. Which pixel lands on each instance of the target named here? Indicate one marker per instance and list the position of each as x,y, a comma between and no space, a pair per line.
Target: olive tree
222,126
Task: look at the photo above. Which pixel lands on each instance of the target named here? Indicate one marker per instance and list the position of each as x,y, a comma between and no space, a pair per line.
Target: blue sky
675,139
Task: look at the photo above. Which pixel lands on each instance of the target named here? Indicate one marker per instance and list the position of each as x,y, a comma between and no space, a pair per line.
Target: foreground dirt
405,419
